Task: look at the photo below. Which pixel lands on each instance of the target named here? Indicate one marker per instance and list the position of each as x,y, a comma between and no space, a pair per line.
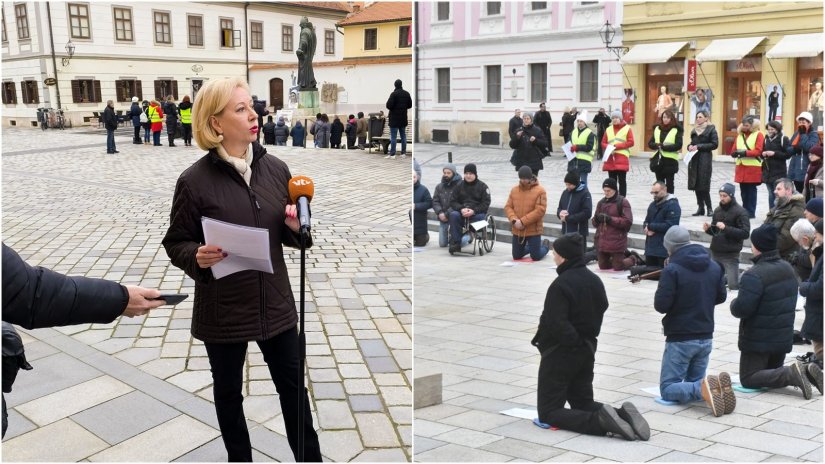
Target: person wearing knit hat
813,210
766,305
620,136
469,203
575,207
703,140
601,120
134,115
775,158
525,209
729,227
529,145
612,220
422,202
811,289
442,197
688,324
802,141
584,146
813,175
577,300
666,141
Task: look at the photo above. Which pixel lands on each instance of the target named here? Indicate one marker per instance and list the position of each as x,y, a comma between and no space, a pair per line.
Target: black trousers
282,357
800,186
667,179
566,376
621,179
137,136
763,370
703,200
187,133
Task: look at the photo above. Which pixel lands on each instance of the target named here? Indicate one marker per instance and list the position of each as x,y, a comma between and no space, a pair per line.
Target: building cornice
519,39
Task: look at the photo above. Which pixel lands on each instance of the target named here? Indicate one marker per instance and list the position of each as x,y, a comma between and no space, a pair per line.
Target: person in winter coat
544,121
147,126
422,201
690,286
813,177
662,214
774,158
790,207
399,103
612,220
703,140
335,133
362,127
269,131
297,133
155,113
134,113
248,305
322,131
747,149
584,147
185,110
602,121
529,146
470,203
575,207
171,112
811,289
110,123
525,210
442,198
261,111
567,337
36,297
765,307
729,227
351,131
281,132
617,164
804,233
667,141
515,123
800,145
568,122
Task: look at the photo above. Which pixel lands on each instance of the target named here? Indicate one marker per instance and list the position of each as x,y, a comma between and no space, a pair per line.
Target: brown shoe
712,394
728,397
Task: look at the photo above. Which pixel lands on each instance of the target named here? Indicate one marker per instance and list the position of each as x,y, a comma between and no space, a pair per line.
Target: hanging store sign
50,81
691,75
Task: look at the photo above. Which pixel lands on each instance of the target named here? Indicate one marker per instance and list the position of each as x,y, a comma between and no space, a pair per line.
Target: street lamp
607,33
70,50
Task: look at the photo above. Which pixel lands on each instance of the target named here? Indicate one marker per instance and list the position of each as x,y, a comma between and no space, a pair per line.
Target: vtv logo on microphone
301,182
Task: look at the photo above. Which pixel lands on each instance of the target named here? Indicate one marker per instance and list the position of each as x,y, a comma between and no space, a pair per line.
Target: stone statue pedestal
309,99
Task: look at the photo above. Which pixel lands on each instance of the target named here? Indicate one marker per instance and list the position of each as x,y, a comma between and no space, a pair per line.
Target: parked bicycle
51,118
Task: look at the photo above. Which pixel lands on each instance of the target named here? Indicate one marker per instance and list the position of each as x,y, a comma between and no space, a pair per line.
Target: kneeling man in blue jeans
690,286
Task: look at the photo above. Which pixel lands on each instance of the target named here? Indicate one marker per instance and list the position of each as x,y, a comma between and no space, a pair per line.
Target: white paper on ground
508,264
688,156
247,247
609,150
651,390
528,414
567,152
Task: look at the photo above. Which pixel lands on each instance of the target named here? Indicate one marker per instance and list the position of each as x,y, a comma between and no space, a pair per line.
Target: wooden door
743,97
276,93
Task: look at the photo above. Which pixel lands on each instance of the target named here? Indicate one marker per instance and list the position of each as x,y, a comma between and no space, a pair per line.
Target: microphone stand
302,349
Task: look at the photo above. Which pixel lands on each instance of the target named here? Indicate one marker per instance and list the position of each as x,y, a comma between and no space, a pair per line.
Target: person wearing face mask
237,182
525,210
584,146
667,141
469,204
422,201
442,198
774,158
747,149
662,214
529,146
618,163
801,143
813,176
703,139
730,226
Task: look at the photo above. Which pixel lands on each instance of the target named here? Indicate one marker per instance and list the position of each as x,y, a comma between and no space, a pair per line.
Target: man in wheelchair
469,204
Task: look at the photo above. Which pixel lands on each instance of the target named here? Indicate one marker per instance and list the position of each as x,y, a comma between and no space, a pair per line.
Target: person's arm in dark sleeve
812,290
665,292
712,144
652,142
485,200
809,140
185,235
35,297
585,210
557,308
671,218
750,293
425,203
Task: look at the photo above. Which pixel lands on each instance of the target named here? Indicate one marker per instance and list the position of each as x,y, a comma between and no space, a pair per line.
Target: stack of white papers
247,247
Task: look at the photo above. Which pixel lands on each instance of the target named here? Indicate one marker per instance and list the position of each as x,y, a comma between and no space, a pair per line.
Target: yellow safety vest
581,139
621,137
186,116
740,145
154,116
670,139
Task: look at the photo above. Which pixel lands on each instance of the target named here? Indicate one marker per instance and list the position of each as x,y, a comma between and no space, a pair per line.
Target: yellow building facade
745,58
391,40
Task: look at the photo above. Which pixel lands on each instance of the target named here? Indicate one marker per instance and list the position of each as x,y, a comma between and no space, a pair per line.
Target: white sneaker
403,156
392,157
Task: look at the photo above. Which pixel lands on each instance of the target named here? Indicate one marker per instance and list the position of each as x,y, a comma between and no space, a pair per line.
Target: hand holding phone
171,299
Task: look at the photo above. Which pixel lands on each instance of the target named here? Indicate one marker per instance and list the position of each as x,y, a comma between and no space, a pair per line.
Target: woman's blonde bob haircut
211,100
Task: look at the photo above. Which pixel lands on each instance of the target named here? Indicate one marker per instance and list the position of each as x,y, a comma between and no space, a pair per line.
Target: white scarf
242,165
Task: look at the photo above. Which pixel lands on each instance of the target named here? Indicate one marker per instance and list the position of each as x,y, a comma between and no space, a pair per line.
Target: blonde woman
239,183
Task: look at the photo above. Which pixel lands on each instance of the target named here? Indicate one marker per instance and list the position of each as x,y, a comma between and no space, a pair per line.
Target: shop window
809,89
743,95
664,92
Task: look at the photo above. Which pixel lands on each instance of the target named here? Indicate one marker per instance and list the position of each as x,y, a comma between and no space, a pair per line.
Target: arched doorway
276,93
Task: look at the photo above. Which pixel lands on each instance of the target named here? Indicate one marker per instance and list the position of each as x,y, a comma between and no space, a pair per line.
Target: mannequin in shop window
664,102
816,104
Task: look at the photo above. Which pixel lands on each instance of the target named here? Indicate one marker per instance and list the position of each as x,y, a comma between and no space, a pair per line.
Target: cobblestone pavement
140,389
474,320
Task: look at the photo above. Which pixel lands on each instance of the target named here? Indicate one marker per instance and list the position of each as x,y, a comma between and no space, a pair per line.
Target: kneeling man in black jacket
566,338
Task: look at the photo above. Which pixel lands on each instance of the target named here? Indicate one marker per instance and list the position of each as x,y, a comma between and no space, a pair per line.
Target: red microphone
301,189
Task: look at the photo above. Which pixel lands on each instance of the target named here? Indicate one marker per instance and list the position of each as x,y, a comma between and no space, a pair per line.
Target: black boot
610,422
699,212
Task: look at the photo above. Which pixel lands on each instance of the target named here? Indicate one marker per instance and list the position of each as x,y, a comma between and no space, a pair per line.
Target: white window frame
325,42
530,82
577,80
449,13
231,46
484,96
251,41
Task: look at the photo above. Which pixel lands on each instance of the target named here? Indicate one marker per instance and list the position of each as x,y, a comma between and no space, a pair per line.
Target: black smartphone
171,298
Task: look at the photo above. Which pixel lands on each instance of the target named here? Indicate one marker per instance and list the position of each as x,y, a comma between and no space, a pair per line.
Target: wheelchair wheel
490,234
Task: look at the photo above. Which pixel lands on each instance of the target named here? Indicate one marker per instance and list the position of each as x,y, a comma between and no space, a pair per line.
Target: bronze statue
305,52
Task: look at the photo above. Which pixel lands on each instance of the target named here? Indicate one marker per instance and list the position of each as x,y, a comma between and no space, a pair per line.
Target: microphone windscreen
301,186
